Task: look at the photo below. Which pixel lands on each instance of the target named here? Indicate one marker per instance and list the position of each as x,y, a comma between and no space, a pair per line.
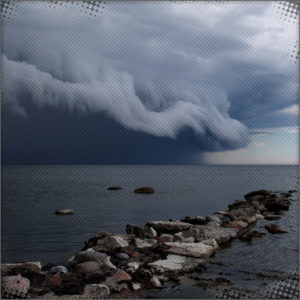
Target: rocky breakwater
121,265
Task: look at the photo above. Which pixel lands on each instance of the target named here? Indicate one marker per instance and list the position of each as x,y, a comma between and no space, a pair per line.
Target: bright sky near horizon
149,82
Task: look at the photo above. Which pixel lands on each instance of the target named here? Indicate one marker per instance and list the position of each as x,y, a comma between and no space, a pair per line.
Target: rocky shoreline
145,258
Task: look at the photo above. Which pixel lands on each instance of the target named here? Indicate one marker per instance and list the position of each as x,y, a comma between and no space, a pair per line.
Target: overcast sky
150,83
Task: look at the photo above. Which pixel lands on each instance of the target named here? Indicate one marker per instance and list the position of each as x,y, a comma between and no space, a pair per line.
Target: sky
150,82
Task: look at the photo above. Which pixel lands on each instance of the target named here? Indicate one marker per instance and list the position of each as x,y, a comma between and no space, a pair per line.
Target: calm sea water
30,195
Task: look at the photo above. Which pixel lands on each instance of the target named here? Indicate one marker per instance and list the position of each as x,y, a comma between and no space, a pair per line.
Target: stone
65,212
6,269
251,235
179,237
122,256
114,286
274,228
220,234
237,224
88,267
133,265
144,243
242,213
96,291
16,284
141,232
177,263
131,252
136,286
111,243
272,217
167,237
53,281
101,258
155,282
198,250
121,276
256,193
195,221
169,227
237,204
102,234
276,204
58,270
144,190
114,188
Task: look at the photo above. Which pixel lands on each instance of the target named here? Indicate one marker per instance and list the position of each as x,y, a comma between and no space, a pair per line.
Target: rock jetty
146,256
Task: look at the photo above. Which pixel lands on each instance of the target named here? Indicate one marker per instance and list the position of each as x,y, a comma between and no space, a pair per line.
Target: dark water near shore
30,195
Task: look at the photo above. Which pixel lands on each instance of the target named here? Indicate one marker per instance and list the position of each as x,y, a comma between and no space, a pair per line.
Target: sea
31,231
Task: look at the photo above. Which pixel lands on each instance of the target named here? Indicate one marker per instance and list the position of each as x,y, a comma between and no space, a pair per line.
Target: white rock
136,286
177,263
143,243
155,281
199,250
134,265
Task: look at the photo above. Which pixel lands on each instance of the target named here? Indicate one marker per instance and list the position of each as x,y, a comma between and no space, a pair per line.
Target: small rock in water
58,270
274,228
272,217
114,188
122,256
144,190
65,212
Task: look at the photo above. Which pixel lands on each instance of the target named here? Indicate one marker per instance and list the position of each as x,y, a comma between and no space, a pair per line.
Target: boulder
139,243
250,195
8,269
114,188
100,234
276,204
195,221
111,243
122,256
65,212
58,270
237,225
274,228
141,232
179,237
15,284
177,263
121,276
88,267
169,226
167,237
131,251
95,291
144,190
199,250
220,234
238,204
242,213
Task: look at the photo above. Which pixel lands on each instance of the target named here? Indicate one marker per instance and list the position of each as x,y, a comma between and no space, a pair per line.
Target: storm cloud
187,78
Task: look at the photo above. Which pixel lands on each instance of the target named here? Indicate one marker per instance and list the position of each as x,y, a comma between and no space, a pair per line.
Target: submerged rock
65,212
114,188
274,228
199,250
144,190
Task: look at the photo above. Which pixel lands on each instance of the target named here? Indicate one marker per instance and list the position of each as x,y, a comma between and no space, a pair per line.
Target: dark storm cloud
186,82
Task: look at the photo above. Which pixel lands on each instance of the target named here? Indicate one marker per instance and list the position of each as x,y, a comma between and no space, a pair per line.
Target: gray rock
177,263
167,237
133,265
198,250
220,234
88,267
111,243
95,291
141,232
179,237
88,255
136,286
58,270
169,227
122,256
139,243
274,228
144,190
